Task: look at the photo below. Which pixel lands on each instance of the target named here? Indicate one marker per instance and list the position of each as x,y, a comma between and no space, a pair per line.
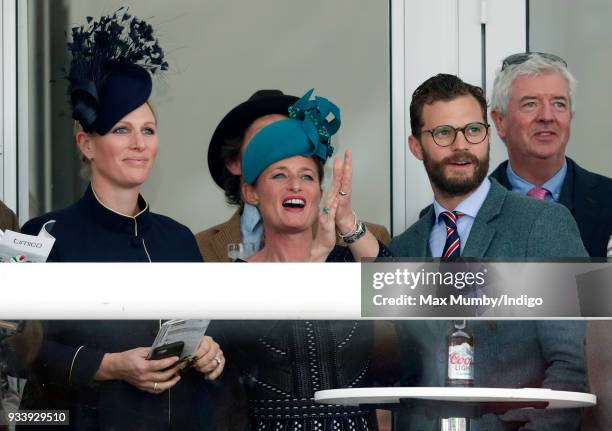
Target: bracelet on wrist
352,231
359,232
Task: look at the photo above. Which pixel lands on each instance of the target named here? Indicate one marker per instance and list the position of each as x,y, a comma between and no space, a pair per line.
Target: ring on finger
155,387
341,193
325,210
217,360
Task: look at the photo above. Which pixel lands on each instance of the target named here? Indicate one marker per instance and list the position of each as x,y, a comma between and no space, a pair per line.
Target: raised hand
343,172
325,239
345,218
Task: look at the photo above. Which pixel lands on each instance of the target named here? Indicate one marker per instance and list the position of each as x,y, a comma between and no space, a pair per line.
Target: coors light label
461,365
460,345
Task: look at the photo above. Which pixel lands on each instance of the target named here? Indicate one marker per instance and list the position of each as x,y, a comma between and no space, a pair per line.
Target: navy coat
87,231
588,196
63,373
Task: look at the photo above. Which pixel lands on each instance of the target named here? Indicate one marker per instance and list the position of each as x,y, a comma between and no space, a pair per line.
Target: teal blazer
510,354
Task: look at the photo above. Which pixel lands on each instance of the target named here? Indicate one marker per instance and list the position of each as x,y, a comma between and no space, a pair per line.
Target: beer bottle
460,368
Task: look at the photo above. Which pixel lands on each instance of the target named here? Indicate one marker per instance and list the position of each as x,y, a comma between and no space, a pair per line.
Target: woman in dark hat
284,362
244,228
225,151
99,370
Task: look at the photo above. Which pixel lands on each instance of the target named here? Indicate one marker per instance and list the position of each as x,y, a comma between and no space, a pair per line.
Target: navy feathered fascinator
307,132
111,67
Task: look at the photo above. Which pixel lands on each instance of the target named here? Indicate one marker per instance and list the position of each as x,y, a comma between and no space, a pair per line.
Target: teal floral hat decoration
307,132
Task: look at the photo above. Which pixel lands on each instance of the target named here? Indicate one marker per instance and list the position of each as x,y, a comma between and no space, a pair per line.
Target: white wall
221,51
8,105
580,33
444,36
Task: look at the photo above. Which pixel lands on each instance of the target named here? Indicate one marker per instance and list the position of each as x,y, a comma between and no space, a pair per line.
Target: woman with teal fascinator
282,168
283,363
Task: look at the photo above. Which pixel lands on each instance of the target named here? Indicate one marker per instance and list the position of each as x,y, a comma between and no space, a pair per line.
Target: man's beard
461,185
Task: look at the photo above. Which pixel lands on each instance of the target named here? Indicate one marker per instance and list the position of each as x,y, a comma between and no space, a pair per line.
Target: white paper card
19,247
189,332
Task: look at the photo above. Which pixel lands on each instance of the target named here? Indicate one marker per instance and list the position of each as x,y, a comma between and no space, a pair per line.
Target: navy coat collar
114,221
586,195
566,197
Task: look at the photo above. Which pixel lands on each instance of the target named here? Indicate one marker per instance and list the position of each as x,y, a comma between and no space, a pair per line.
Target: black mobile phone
167,350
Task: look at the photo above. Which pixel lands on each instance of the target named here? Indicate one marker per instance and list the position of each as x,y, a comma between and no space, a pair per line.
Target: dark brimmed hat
99,106
110,71
238,120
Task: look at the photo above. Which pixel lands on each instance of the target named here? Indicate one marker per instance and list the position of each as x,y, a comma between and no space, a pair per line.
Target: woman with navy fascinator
98,370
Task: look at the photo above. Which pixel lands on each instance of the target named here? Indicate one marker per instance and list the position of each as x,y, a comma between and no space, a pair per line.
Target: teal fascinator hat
307,132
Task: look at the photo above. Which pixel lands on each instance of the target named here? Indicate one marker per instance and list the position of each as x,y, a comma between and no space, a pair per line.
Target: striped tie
452,248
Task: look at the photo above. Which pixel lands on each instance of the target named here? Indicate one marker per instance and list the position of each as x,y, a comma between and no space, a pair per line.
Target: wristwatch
359,232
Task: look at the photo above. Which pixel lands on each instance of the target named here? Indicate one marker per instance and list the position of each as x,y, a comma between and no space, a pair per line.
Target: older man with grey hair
532,106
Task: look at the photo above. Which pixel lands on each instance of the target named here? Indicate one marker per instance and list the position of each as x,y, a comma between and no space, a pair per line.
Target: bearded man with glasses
474,216
532,105
450,134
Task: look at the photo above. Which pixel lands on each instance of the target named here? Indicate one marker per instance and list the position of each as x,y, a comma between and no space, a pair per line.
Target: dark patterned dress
283,363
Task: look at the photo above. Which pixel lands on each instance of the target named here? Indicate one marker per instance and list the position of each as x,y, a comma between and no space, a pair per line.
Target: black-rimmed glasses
522,57
445,135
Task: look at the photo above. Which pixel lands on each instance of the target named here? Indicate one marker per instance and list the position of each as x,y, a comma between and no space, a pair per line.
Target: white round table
481,400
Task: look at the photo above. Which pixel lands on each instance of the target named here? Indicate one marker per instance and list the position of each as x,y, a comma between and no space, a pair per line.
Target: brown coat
8,219
213,241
